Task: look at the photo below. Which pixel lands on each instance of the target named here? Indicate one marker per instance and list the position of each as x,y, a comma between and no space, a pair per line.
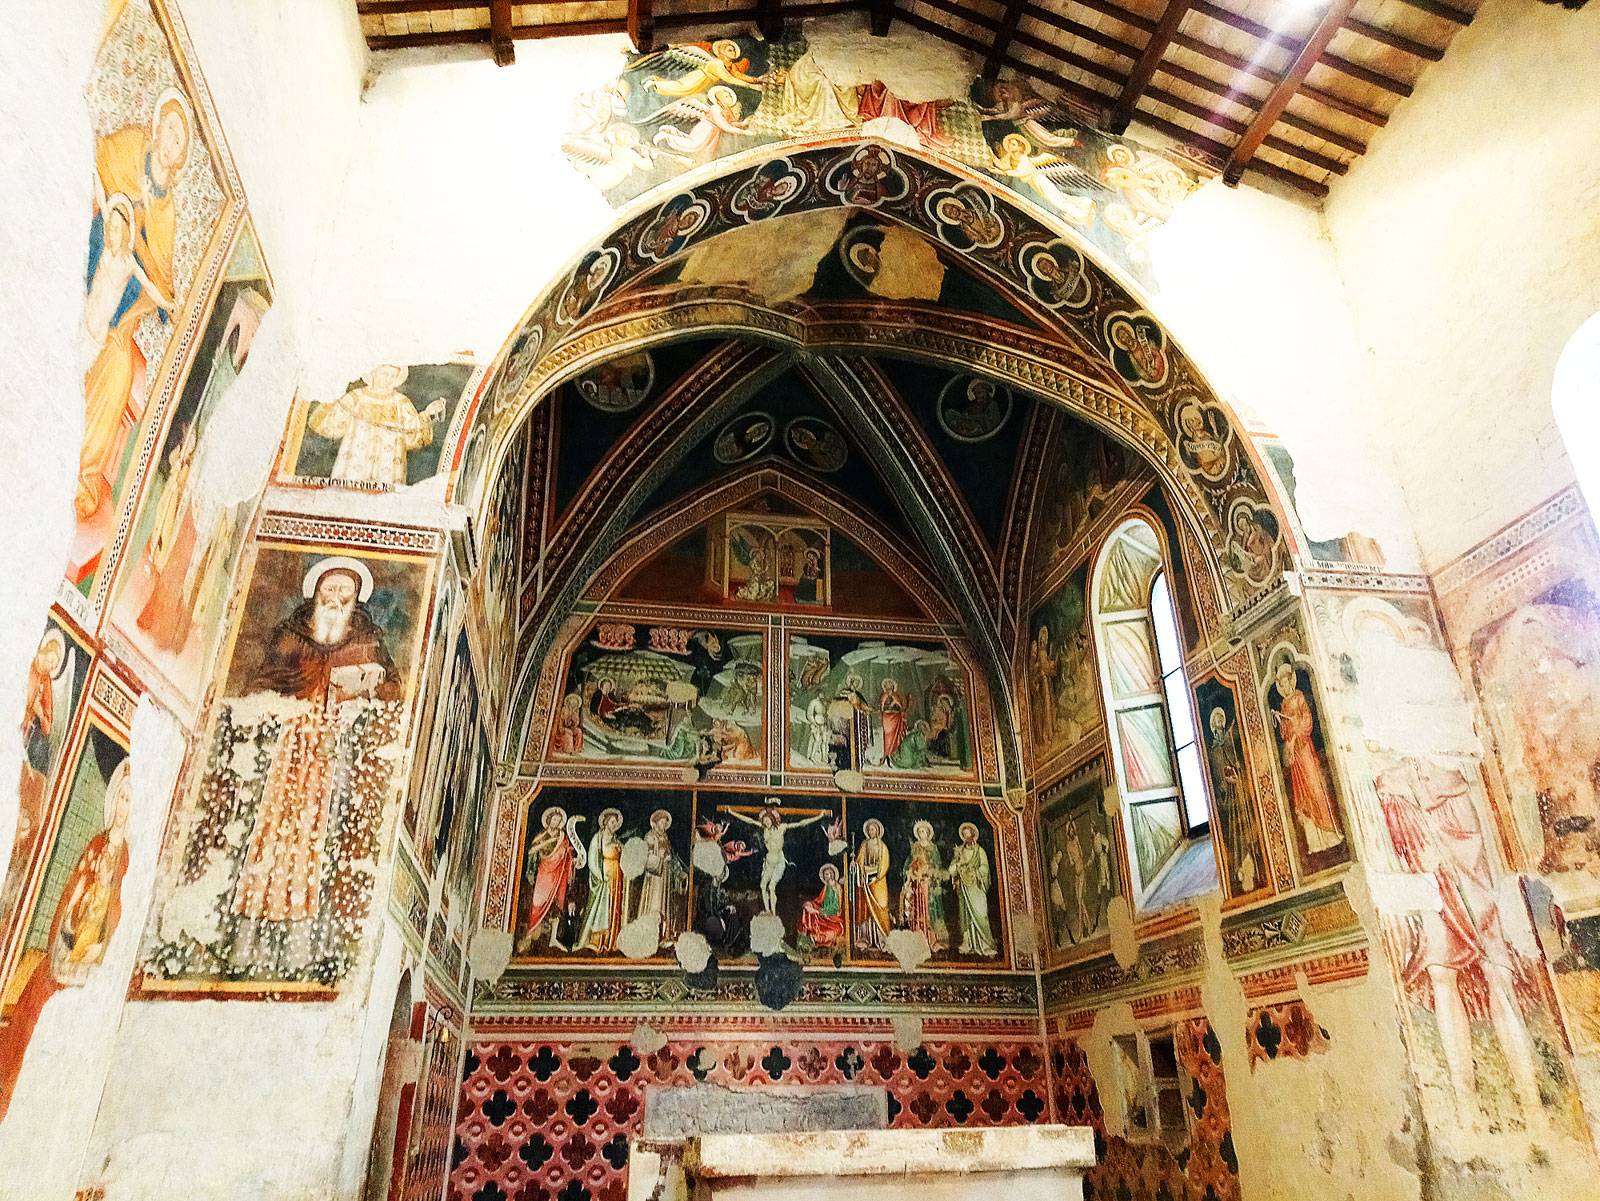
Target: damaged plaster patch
907,1029
766,934
777,980
489,952
909,947
641,937
1022,933
1124,946
693,950
646,1039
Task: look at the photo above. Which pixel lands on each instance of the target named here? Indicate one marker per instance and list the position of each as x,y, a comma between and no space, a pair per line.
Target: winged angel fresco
679,106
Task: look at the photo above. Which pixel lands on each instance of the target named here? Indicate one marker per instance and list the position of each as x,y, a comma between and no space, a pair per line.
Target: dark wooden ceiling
1289,89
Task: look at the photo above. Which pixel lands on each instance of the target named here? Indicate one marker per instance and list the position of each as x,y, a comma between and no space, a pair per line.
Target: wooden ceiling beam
642,25
769,19
1239,128
1183,74
1267,116
1216,88
383,8
1144,69
1001,42
567,29
1445,12
1266,34
1102,100
1395,41
1293,121
500,44
1328,100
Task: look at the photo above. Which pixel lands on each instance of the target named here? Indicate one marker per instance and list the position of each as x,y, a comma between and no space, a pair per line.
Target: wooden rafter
1393,40
642,25
1004,32
1445,12
769,19
1183,70
1268,35
1267,116
500,44
1145,69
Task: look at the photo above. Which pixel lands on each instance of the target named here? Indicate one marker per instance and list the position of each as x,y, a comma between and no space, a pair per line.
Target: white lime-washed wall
1467,239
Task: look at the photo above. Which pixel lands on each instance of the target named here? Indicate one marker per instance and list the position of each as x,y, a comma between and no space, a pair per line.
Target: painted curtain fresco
162,195
613,873
645,693
1079,858
870,704
181,554
58,936
268,885
387,429
685,105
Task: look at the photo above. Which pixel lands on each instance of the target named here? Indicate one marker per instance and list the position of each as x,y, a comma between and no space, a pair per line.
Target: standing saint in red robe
551,858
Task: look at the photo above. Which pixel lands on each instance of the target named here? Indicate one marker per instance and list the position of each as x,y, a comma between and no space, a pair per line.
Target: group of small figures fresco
685,105
627,871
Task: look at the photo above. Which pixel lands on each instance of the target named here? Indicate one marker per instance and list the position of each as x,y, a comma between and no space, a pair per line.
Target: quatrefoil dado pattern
550,1121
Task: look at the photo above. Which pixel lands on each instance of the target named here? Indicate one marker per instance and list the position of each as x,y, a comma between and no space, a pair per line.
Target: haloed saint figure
285,894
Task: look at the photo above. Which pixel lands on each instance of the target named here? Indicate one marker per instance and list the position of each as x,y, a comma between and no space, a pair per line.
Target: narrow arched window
1150,720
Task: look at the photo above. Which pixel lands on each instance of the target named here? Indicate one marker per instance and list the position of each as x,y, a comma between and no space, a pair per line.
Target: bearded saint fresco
273,861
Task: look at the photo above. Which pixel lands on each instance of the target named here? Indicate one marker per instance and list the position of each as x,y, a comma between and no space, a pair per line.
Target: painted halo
322,567
972,408
746,436
815,444
619,385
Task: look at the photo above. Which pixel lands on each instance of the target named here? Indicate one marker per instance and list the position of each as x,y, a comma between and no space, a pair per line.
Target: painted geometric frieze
1283,1031
1314,923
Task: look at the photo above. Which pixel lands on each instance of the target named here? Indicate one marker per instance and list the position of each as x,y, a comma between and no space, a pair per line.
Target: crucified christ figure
773,828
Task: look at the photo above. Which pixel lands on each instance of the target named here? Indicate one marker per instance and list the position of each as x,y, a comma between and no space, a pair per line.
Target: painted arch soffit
1162,405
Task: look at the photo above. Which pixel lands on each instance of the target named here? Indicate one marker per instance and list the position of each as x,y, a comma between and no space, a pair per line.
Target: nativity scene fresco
685,105
653,693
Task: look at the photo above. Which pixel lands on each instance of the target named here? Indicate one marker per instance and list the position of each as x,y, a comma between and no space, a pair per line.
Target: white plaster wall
1467,238
44,1137
457,208
46,165
1249,288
